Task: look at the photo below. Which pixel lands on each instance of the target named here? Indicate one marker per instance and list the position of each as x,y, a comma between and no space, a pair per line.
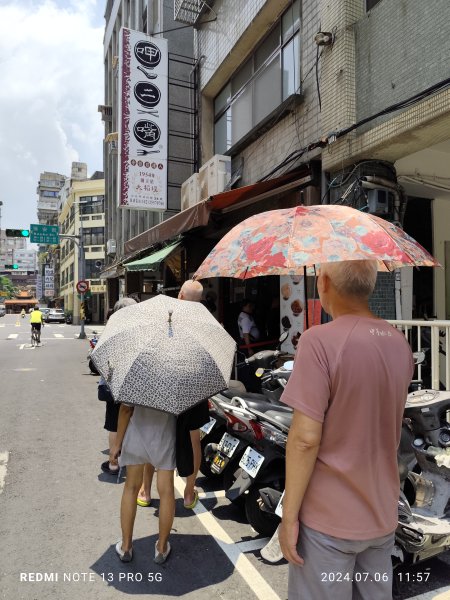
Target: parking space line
208,495
3,468
242,564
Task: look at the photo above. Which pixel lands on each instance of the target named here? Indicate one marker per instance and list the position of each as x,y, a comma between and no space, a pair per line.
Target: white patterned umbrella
164,353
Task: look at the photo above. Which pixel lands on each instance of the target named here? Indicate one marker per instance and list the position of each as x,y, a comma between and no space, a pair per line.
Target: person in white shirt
248,330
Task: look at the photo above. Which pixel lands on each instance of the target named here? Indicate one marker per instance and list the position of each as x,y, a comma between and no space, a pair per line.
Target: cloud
51,73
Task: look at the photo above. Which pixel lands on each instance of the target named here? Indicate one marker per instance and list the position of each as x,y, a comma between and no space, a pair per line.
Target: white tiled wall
215,42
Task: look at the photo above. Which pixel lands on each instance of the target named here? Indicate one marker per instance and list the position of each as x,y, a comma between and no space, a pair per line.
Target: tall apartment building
9,247
151,17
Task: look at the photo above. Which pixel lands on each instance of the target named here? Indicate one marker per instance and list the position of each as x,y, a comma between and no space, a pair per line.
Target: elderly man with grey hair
348,390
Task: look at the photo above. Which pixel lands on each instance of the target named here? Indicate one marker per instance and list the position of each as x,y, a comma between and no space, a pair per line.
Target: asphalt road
59,514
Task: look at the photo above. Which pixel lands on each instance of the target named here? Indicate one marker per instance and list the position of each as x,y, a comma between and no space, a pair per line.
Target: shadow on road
180,575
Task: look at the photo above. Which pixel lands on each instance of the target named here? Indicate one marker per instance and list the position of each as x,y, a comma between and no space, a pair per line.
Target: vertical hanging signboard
143,121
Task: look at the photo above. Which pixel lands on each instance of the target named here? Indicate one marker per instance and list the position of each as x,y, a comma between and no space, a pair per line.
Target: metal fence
433,338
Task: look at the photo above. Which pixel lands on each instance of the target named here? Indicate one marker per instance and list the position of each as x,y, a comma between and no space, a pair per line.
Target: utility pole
78,240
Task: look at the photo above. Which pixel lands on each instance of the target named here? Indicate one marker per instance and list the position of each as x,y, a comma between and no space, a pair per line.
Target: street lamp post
78,240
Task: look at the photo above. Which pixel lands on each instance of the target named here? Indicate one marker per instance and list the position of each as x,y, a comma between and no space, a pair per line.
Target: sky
51,82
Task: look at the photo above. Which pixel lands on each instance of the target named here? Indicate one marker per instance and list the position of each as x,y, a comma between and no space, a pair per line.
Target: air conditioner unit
190,192
111,247
214,175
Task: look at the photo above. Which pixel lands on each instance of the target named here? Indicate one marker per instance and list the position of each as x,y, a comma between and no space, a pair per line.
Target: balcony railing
433,338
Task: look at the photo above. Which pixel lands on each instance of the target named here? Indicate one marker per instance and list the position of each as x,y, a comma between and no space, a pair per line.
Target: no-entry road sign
82,286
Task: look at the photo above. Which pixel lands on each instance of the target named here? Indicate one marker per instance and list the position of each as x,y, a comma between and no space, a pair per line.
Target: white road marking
22,346
58,335
25,370
243,566
13,336
2,325
440,594
3,467
208,495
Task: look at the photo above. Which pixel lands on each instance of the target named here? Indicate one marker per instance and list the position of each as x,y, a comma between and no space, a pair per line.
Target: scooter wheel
262,522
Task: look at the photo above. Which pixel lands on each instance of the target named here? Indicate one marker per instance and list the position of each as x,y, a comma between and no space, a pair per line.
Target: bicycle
35,336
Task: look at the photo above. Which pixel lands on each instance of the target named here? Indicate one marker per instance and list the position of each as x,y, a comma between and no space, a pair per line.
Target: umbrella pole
306,298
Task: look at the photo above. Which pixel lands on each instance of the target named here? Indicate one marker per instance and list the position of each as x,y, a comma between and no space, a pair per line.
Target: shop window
268,78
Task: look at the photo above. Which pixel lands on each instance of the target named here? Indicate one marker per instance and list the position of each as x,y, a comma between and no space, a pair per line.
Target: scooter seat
284,417
231,393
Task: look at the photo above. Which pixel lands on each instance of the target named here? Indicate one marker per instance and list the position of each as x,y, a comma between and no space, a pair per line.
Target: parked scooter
221,416
262,463
424,506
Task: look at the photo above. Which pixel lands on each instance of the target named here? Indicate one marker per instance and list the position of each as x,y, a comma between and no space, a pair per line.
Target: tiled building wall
382,302
300,127
402,48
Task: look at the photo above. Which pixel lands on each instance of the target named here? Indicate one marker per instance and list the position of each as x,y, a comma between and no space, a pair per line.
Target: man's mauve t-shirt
352,375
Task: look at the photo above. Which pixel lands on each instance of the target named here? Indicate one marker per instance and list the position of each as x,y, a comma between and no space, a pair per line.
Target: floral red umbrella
285,241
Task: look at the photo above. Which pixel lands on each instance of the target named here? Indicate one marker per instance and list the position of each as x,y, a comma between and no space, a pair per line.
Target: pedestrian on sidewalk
111,408
188,446
348,390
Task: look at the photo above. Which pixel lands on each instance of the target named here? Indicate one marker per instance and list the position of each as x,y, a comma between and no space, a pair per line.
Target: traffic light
12,266
17,233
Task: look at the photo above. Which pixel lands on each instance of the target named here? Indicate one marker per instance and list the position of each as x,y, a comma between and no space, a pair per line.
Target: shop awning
153,261
198,215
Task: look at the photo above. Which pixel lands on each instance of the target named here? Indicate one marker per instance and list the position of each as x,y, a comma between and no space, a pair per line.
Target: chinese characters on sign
143,121
44,234
49,282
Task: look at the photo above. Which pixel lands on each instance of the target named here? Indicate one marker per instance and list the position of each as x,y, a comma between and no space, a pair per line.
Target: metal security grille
188,11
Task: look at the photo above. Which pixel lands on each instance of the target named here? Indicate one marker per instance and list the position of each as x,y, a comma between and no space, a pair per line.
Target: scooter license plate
251,461
219,463
279,508
228,445
207,427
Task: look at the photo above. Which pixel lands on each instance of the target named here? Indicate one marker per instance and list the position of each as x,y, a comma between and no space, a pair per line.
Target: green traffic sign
12,266
44,234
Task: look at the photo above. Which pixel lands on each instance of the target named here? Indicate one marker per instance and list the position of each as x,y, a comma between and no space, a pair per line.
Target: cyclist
37,321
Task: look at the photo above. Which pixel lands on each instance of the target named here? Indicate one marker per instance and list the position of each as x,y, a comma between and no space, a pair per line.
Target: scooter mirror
259,372
283,337
418,357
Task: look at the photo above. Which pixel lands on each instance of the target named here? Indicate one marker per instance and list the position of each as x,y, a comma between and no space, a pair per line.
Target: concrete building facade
83,214
151,17
383,75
